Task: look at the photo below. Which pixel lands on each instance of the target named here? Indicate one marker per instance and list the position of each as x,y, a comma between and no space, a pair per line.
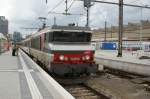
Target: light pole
141,25
120,28
87,24
87,5
105,31
141,28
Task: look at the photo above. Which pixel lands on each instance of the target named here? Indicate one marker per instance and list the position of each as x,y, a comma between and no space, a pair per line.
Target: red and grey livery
63,50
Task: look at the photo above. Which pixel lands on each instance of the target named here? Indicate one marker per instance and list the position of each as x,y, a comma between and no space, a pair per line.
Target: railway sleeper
84,94
75,91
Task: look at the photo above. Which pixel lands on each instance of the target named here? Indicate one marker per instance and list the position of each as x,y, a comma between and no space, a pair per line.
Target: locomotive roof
70,28
61,28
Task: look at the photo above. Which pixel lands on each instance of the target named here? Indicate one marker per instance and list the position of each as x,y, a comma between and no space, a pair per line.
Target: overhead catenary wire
66,10
73,1
114,3
134,1
58,4
67,13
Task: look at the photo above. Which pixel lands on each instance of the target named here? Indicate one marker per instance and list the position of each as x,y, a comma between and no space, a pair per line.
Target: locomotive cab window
50,37
71,36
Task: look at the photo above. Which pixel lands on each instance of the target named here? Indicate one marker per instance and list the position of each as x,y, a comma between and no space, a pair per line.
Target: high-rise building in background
3,25
17,37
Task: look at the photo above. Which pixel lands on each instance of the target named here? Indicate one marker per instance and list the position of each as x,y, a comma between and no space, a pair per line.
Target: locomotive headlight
61,57
87,57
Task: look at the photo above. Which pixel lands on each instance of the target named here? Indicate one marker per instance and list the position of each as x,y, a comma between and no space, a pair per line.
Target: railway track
122,74
135,78
87,91
81,91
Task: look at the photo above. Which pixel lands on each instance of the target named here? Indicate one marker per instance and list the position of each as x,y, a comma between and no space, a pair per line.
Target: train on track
63,50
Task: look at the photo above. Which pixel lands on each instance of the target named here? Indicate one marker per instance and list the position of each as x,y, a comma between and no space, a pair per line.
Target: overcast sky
25,13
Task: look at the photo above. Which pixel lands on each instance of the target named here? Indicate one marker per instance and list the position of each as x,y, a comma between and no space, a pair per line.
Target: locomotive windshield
71,36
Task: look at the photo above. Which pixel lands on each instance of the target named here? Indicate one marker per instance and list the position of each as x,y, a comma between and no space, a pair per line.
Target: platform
21,78
129,62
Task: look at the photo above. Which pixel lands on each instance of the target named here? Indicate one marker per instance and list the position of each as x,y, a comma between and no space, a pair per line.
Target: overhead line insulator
87,3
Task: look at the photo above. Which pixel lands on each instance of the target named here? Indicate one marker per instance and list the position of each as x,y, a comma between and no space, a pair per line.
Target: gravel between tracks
118,88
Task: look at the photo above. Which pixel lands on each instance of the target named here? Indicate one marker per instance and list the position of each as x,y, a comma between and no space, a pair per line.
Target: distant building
17,37
28,36
10,37
2,36
131,32
3,25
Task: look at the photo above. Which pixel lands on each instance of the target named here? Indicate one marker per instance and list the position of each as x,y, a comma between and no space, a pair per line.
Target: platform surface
127,56
19,81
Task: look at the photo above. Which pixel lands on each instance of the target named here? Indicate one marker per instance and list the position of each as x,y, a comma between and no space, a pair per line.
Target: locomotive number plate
74,59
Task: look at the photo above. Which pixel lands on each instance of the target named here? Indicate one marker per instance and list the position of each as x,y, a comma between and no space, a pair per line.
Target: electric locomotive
63,50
